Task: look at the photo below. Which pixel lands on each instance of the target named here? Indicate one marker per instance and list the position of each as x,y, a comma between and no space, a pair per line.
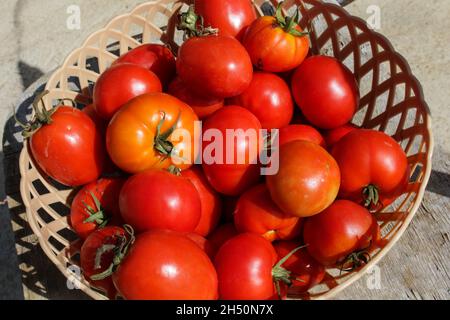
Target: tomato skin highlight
107,192
71,149
300,132
165,265
244,268
215,67
343,228
313,182
157,199
257,213
154,57
121,83
326,92
211,202
231,17
269,98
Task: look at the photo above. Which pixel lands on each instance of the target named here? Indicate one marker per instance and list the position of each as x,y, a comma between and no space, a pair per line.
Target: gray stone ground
35,40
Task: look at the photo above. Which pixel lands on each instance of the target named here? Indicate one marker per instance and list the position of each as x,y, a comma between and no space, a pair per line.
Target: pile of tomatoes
157,228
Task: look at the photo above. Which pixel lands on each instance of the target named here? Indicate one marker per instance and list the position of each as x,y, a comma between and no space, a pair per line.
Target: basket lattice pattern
392,101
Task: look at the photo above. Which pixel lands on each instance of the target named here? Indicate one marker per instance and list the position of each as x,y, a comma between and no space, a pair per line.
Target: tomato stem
355,260
371,195
162,144
97,214
193,24
289,24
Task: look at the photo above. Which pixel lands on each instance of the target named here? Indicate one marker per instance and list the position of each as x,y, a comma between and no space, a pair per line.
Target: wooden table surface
418,267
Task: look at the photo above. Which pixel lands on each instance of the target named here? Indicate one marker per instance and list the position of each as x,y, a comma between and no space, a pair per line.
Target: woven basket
392,101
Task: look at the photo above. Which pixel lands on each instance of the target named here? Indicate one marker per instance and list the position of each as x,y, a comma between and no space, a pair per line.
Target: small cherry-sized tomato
157,199
65,144
221,235
306,272
341,234
374,168
300,132
269,98
121,83
276,44
231,17
326,92
142,135
304,187
257,213
155,57
95,206
165,265
334,135
231,162
213,66
101,243
211,202
203,107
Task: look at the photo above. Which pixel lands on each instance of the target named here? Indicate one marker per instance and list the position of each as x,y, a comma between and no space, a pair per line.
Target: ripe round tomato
300,132
334,135
340,230
121,83
133,140
214,66
307,272
203,107
244,268
374,168
68,146
256,213
165,265
274,44
203,244
231,17
232,177
269,99
221,235
326,91
211,204
307,181
95,206
154,57
157,199
112,236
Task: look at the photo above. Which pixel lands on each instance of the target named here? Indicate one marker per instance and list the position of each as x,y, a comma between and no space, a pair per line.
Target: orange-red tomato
304,187
275,45
300,132
133,141
257,213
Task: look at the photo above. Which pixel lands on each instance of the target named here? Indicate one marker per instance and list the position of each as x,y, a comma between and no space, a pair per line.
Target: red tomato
165,265
95,206
333,136
89,251
256,213
230,177
203,244
101,123
244,268
157,199
214,66
154,57
134,142
300,132
374,168
211,203
68,147
121,83
326,91
307,187
340,230
269,99
307,272
274,44
221,235
231,17
203,107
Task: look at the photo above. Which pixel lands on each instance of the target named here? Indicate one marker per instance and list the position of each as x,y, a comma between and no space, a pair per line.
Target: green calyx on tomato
120,250
371,196
194,25
96,214
162,144
355,260
289,24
